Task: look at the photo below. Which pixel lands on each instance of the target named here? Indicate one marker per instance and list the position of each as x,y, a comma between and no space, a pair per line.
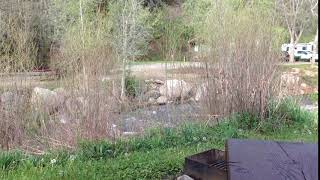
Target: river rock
201,92
152,94
175,89
162,100
45,99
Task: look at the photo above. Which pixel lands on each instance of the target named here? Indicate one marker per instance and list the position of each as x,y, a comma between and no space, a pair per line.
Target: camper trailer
302,51
298,47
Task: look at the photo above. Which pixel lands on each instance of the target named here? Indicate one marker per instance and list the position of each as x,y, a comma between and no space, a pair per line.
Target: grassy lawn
158,154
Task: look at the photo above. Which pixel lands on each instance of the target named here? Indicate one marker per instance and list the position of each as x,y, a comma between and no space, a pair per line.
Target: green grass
159,153
300,66
312,81
313,97
152,158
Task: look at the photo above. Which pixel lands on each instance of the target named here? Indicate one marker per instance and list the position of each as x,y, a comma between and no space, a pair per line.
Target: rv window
304,48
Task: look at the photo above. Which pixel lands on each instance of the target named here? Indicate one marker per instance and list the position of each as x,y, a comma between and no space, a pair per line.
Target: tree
295,14
129,33
314,11
24,42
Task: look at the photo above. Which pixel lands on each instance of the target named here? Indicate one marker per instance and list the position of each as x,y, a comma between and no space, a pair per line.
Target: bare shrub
89,102
13,107
92,100
242,65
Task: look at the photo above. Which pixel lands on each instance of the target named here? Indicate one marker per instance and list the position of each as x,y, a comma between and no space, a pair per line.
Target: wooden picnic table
271,160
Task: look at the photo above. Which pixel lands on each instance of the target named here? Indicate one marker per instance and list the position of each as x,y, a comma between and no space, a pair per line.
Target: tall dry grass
78,105
241,63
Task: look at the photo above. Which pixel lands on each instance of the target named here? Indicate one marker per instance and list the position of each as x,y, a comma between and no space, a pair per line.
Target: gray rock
128,134
290,84
175,89
132,124
153,86
201,92
310,107
152,100
45,100
288,79
162,100
152,94
157,81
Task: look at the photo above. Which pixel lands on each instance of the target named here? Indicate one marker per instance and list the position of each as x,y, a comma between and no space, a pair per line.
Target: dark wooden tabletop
270,160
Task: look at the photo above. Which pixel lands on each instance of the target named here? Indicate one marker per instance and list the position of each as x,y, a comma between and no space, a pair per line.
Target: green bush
9,161
280,115
132,86
289,111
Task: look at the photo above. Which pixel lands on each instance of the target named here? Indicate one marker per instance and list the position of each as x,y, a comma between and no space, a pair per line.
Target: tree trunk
85,75
123,80
124,60
291,50
315,48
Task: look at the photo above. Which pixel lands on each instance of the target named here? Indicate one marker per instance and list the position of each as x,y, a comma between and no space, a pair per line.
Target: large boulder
152,94
289,79
201,92
175,89
310,73
152,100
153,84
290,84
45,100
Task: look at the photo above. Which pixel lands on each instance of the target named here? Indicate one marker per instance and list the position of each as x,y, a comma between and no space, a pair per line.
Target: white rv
298,47
302,51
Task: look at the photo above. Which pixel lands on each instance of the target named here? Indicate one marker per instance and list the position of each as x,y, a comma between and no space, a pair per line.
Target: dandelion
204,138
309,132
53,161
61,173
72,157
